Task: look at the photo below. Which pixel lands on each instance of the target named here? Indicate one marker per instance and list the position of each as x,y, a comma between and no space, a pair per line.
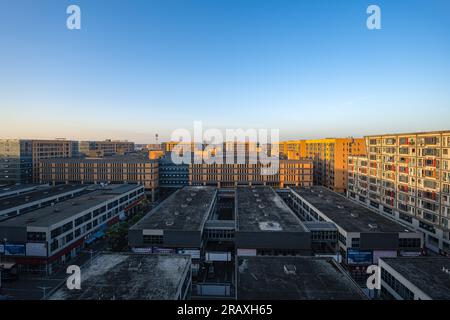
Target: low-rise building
363,235
294,278
128,276
265,225
46,238
37,198
415,278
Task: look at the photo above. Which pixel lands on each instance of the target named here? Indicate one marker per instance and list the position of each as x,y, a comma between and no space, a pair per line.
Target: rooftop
13,189
294,278
125,276
347,214
186,209
425,273
50,215
36,195
261,209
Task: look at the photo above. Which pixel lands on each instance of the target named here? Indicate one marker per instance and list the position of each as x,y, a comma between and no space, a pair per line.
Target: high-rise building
329,157
407,177
15,161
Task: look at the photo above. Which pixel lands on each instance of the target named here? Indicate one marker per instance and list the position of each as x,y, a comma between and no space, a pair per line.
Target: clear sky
309,68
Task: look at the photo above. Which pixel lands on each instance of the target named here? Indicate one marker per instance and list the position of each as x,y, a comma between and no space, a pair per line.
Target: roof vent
320,196
193,194
354,215
340,206
261,206
290,269
188,199
169,223
176,213
373,226
184,205
446,270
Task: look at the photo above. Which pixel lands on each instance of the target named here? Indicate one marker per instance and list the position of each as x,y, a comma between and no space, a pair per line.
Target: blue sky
309,68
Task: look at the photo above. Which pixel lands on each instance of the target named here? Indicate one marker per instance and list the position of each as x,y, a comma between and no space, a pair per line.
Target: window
153,239
395,285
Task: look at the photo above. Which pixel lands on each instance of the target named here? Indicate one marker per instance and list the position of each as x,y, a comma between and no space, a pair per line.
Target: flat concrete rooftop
13,189
50,215
425,273
261,209
294,278
37,195
186,209
127,276
347,214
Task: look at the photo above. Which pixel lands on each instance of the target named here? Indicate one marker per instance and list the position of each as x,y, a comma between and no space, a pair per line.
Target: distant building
106,147
294,278
115,170
298,173
16,164
407,177
128,276
415,278
50,149
172,175
48,237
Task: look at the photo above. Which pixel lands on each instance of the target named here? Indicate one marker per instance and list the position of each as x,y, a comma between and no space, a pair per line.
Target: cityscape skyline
252,68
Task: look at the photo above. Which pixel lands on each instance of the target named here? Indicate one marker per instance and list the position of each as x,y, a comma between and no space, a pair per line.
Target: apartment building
46,149
115,170
290,173
15,161
293,149
407,177
105,148
330,160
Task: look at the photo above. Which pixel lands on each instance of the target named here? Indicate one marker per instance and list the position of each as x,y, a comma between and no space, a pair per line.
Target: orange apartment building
329,158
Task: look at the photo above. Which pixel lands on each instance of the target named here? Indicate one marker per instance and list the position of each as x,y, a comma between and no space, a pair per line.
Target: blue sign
14,249
360,257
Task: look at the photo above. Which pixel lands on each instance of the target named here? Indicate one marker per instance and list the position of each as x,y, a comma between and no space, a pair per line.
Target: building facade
114,170
291,173
48,237
105,148
46,149
15,161
407,177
